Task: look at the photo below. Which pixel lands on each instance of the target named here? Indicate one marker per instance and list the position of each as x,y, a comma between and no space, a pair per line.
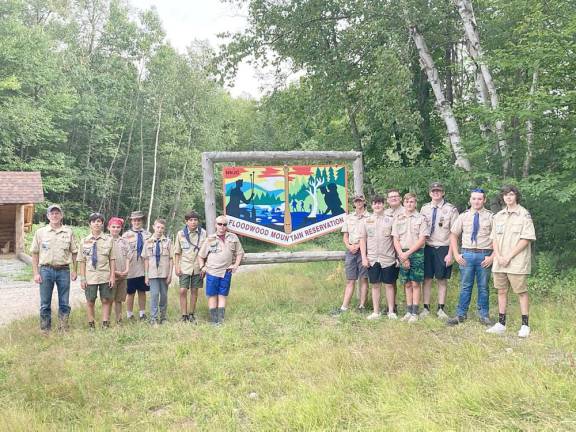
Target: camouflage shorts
416,271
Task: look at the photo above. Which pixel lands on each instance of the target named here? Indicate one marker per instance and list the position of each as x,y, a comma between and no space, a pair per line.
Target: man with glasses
395,208
438,259
475,258
219,257
53,250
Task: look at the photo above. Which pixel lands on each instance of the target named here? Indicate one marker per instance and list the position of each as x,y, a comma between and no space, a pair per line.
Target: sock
502,319
129,314
142,313
427,307
213,315
395,308
525,320
440,306
221,314
415,309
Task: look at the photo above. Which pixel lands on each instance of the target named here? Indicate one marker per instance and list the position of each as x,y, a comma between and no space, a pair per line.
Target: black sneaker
191,318
91,326
361,309
143,317
337,312
456,320
184,318
486,321
105,324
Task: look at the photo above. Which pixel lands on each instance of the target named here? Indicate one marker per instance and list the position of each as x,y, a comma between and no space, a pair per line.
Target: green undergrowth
280,362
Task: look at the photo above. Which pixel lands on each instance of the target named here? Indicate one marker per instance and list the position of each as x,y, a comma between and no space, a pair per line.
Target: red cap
116,221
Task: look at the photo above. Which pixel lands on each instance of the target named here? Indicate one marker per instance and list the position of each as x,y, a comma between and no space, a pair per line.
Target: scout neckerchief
94,253
157,252
139,244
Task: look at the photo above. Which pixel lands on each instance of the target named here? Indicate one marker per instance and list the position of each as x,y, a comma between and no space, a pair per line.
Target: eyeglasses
221,224
393,196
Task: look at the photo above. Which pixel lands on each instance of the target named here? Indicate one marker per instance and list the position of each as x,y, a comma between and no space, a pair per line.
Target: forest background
116,119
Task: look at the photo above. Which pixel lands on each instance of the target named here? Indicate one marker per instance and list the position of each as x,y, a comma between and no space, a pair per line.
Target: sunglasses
221,224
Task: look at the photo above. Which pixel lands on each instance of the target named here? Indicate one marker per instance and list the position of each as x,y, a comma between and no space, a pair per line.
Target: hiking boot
392,316
154,323
424,313
184,318
524,331
374,316
337,312
105,324
63,323
442,315
456,320
406,317
485,320
91,326
497,329
361,309
191,318
413,318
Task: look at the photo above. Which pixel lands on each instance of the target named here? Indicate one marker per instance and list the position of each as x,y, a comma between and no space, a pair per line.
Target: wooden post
292,257
358,168
19,227
209,193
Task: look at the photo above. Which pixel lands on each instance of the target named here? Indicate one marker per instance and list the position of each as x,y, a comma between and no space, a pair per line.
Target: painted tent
285,205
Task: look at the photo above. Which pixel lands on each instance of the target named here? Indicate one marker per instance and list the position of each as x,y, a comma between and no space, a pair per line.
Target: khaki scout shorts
119,291
92,292
518,283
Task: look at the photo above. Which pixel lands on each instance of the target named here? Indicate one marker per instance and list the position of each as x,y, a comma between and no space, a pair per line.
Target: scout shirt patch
45,245
370,229
213,247
499,228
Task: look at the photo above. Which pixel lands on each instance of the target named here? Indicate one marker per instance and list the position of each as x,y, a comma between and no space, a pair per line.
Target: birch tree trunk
466,12
427,64
141,165
155,166
530,128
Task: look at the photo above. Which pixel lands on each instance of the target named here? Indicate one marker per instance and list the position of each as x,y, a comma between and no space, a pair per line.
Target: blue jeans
50,277
473,270
158,291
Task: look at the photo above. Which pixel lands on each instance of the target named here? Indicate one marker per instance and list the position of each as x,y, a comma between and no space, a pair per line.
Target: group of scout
118,266
418,247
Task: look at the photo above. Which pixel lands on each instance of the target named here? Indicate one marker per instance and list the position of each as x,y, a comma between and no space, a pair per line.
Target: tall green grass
281,362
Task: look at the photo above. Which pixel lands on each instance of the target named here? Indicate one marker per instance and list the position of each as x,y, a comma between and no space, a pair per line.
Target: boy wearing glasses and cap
475,258
136,236
352,232
158,270
438,259
122,265
53,250
97,269
186,248
219,256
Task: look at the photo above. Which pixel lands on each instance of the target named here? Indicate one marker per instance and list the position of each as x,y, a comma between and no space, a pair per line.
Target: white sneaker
406,317
442,315
497,329
524,331
413,318
424,313
392,316
373,316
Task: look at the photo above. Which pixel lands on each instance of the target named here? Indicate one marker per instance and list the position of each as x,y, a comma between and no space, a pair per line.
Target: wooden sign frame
279,158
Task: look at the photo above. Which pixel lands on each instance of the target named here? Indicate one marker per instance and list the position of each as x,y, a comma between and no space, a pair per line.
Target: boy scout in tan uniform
410,230
158,271
351,234
186,249
475,257
97,268
379,257
54,250
220,257
122,265
512,236
438,258
136,236
394,201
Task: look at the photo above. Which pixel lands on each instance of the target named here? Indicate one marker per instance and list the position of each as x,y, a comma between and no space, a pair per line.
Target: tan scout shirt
122,253
377,229
162,270
409,228
464,224
54,246
394,212
136,262
188,251
445,217
353,226
220,254
508,229
105,253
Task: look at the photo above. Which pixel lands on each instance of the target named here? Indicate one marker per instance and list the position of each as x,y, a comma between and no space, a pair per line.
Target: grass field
281,363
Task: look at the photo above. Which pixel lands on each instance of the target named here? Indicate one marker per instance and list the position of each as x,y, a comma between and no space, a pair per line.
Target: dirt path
22,299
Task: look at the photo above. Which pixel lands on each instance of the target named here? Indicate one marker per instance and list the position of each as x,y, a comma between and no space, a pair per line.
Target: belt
58,267
477,250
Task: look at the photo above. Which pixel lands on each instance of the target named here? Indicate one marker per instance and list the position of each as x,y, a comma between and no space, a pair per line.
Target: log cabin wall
7,225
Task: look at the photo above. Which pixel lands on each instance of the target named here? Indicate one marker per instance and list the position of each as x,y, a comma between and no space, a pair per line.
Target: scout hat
359,197
136,215
436,186
54,207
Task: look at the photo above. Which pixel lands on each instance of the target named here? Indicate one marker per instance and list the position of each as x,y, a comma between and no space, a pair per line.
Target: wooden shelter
19,191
